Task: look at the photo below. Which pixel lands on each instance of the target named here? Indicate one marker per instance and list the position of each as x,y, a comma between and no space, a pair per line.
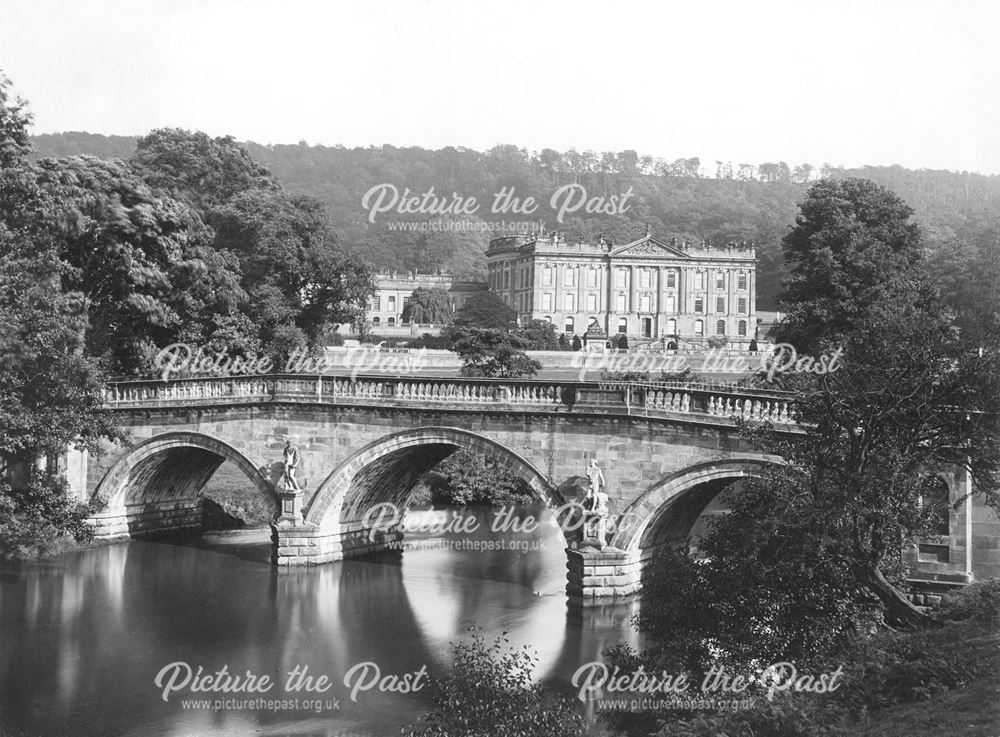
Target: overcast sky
913,82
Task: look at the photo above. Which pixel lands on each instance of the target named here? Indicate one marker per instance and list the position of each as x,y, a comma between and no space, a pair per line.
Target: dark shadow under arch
385,470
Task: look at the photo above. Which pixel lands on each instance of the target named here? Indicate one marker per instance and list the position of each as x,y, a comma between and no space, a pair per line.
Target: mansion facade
677,292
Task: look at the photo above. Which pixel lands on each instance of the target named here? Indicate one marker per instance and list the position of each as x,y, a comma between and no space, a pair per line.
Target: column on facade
604,295
734,302
659,305
557,280
679,295
632,306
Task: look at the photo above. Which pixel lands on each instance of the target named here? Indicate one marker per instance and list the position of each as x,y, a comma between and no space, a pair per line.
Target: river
83,637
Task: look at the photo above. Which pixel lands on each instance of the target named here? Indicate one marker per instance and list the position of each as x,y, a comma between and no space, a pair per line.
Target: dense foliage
428,306
493,353
685,198
465,478
489,692
104,262
51,391
807,563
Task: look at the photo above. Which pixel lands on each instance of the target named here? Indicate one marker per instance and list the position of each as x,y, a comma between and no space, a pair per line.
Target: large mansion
649,289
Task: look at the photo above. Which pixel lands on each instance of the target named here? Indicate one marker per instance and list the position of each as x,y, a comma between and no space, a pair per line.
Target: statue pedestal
291,506
601,574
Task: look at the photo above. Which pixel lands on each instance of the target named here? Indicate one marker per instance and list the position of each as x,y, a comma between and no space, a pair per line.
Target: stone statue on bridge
290,458
596,504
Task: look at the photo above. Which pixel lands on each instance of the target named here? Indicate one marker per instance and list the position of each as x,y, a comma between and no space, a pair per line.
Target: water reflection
83,637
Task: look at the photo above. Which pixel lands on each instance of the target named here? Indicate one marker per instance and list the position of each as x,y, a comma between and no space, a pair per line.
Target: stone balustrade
708,401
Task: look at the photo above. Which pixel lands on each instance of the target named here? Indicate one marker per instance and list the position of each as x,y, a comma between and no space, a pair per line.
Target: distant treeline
756,202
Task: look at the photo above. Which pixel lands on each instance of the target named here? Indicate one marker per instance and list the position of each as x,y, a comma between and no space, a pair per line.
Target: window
548,319
547,276
720,327
645,278
591,277
547,301
620,279
720,305
720,279
671,303
935,499
741,280
377,303
647,327
620,302
623,325
645,303
671,327
392,304
671,279
506,277
569,277
699,304
699,280
741,328
591,302
569,302
392,320
741,305
569,325
699,327
376,321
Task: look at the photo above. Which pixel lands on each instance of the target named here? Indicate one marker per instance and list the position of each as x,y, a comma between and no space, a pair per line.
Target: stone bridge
665,451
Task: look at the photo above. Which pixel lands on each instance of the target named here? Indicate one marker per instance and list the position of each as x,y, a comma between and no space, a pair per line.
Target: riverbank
972,710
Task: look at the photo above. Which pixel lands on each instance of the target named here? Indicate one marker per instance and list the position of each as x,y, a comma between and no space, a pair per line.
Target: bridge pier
303,544
594,574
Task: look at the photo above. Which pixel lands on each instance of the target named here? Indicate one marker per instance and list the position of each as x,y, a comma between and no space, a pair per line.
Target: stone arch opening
156,484
665,514
385,471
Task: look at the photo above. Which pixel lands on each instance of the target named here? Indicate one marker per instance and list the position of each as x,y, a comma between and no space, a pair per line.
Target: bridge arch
386,469
670,507
155,484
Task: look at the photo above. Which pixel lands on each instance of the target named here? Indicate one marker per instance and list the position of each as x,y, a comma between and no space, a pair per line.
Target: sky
851,82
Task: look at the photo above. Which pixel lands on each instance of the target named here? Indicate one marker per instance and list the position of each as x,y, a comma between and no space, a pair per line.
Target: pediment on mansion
647,246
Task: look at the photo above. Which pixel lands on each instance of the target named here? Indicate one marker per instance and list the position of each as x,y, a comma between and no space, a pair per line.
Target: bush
40,519
465,478
490,693
978,602
431,342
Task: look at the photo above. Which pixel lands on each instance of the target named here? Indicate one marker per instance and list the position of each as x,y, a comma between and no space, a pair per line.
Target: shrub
40,519
490,693
978,602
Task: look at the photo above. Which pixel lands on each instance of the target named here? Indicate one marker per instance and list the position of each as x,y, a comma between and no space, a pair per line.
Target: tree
426,305
465,478
490,352
206,171
15,119
139,260
486,310
298,282
813,552
852,241
489,692
539,335
51,393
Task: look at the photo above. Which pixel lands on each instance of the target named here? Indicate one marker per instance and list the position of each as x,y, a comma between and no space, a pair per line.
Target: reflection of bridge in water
667,451
90,635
